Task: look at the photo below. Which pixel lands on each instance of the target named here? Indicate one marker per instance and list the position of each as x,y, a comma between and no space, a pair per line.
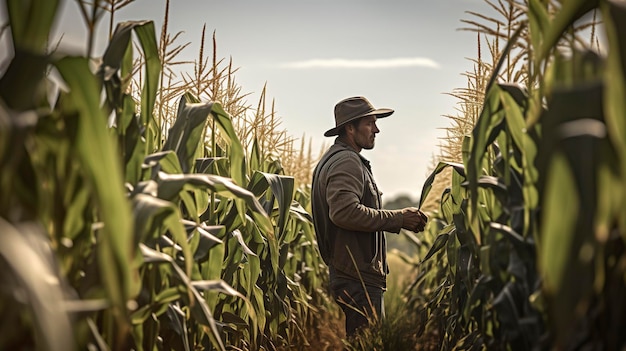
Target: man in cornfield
348,218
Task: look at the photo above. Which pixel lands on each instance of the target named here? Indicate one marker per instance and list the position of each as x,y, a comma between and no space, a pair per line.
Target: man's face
365,132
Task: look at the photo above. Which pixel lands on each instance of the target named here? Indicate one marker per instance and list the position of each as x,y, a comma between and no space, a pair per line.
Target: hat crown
349,108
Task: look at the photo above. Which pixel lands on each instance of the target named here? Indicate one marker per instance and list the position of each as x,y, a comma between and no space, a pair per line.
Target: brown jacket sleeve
346,183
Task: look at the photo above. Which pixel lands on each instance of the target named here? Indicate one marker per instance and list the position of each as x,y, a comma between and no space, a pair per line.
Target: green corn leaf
614,14
300,212
198,306
610,202
439,243
281,188
128,124
516,239
242,243
159,305
28,269
170,185
513,102
428,183
255,156
163,161
212,269
153,216
487,128
116,54
207,238
126,70
207,165
252,275
114,71
236,152
76,205
222,287
231,318
496,185
178,322
187,133
465,266
301,222
538,22
557,247
569,13
147,38
98,155
270,244
257,300
451,247
479,291
505,303
466,149
21,85
448,207
30,23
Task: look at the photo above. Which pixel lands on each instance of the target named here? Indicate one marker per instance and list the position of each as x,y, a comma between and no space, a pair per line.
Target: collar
343,145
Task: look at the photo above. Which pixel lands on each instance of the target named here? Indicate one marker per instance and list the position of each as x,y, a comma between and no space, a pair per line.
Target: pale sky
400,54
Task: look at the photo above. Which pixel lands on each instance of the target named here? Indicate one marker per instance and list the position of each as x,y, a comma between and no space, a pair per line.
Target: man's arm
345,185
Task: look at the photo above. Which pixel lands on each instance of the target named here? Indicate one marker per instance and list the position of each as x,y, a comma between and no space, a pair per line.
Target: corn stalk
523,252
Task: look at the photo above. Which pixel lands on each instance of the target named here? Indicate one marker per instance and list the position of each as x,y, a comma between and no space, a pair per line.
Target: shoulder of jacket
345,153
344,156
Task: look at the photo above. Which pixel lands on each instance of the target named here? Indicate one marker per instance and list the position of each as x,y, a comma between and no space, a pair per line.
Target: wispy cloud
363,64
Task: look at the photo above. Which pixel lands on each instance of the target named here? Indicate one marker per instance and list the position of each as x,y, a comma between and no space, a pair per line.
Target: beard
367,144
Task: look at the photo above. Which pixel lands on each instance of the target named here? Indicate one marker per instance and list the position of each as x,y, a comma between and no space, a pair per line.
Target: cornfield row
126,230
131,224
526,250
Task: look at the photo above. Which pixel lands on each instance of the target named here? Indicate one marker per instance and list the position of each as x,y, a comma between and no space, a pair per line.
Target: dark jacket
348,218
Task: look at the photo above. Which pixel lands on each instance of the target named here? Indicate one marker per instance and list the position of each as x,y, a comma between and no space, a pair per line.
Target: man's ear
349,128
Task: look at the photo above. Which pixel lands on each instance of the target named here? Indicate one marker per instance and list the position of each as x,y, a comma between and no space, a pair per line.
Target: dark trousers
360,307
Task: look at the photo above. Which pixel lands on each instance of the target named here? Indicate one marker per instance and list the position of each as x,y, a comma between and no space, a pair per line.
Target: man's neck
350,142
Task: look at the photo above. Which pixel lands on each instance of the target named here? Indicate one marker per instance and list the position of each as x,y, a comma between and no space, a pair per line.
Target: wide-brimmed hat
352,108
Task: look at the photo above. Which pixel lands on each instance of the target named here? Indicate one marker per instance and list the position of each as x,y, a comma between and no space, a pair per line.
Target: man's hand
413,219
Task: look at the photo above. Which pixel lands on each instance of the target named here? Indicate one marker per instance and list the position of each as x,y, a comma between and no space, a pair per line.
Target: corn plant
524,249
148,234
